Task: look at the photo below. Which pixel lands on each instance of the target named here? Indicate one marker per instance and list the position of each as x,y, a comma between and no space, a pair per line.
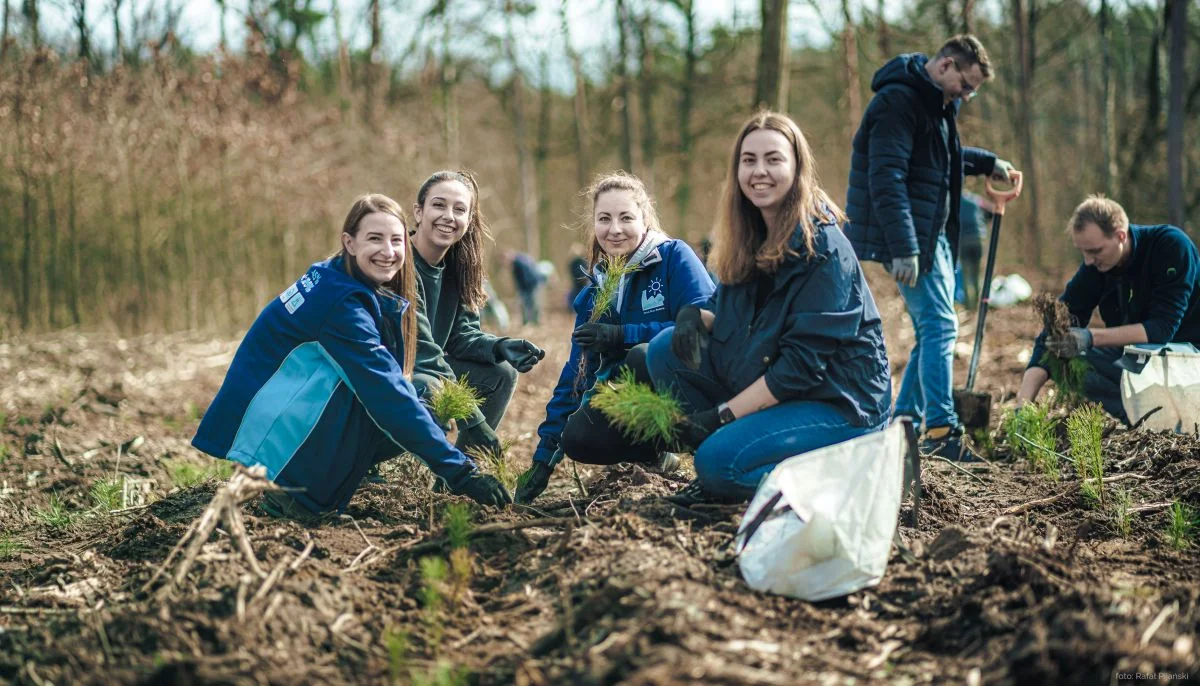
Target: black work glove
531,484
1075,343
485,489
696,427
481,436
690,338
600,337
518,352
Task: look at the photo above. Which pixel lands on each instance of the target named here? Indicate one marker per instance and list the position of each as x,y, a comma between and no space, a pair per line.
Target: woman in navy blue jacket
665,277
317,392
788,355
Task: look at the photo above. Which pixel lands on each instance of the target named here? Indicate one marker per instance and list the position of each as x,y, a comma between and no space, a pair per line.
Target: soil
608,584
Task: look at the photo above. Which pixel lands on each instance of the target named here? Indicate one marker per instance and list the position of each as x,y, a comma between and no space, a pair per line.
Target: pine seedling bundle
454,399
641,413
607,290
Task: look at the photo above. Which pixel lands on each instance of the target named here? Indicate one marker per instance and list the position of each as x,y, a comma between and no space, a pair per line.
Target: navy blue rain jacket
899,177
818,335
1159,288
316,397
668,276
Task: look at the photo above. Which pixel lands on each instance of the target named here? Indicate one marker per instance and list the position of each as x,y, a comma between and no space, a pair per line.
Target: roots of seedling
1056,319
641,413
1067,374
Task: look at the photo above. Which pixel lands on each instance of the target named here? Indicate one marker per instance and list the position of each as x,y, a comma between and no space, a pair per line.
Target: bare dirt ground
615,585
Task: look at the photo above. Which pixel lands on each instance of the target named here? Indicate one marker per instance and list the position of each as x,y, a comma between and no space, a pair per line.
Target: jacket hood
909,70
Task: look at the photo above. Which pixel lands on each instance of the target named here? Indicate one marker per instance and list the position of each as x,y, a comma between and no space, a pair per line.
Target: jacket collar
646,255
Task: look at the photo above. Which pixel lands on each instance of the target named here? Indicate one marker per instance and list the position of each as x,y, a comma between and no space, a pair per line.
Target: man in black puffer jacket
906,177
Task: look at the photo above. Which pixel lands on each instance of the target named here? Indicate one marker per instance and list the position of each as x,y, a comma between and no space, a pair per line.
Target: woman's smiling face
378,247
618,222
443,220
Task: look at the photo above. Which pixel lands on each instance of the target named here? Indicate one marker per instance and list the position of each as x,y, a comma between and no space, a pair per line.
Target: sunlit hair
966,50
465,257
619,180
1101,211
743,243
404,283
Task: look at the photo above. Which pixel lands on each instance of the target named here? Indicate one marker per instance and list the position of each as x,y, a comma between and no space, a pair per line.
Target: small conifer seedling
1181,527
641,413
1084,429
454,399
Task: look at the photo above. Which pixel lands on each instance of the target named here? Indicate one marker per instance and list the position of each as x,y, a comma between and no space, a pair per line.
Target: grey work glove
485,489
1075,343
518,352
1001,170
905,270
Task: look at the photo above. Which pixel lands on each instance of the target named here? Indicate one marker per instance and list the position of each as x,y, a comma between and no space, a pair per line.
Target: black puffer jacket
898,171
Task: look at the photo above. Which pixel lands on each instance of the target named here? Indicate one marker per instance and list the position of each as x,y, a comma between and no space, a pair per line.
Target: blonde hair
1101,211
465,256
619,180
404,283
743,243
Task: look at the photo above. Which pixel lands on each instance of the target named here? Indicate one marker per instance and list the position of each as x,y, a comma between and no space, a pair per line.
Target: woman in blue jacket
664,276
318,391
788,355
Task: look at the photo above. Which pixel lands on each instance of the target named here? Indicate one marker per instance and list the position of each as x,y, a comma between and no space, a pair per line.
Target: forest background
151,182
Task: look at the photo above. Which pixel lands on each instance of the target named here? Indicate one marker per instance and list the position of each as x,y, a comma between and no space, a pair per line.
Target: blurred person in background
663,276
528,280
319,388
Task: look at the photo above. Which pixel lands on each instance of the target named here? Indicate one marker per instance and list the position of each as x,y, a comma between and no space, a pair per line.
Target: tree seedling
106,494
1121,500
433,576
1181,528
1030,431
454,399
615,270
1084,429
9,547
185,474
55,514
496,463
641,413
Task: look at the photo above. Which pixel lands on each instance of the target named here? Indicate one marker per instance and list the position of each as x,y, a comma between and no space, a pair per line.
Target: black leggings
590,438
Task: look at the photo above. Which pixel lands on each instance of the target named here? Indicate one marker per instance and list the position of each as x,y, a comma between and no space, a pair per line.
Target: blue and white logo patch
653,298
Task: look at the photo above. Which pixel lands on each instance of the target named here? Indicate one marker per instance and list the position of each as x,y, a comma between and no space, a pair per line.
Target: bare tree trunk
1108,109
646,92
222,8
4,35
118,48
81,26
374,64
343,59
29,221
447,78
32,21
949,23
1024,24
73,279
582,163
850,69
772,88
526,189
1177,9
541,152
626,86
53,277
687,96
968,16
885,32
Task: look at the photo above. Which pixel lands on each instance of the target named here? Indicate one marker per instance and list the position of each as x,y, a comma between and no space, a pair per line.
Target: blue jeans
927,390
531,312
1102,384
732,461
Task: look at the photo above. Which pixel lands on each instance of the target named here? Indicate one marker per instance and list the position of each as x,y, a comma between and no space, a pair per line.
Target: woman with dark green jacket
448,255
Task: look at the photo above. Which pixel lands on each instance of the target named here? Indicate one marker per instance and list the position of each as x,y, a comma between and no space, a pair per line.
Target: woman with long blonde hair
319,389
788,355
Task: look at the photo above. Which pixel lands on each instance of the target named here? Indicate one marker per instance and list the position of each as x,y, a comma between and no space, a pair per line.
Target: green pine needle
454,399
1030,432
1085,426
642,414
606,293
496,464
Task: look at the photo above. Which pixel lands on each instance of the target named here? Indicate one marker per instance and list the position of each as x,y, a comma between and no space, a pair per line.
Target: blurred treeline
148,187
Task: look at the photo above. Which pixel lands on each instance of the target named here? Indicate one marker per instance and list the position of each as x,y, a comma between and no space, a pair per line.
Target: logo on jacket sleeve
653,298
292,298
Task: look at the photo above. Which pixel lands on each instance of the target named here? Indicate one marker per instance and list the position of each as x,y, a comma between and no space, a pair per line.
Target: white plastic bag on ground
821,524
1165,377
1009,290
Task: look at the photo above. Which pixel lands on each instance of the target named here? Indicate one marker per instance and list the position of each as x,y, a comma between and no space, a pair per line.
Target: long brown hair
404,283
619,180
465,256
739,249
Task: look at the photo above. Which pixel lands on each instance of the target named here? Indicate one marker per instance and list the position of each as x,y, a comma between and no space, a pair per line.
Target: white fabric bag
1162,381
821,524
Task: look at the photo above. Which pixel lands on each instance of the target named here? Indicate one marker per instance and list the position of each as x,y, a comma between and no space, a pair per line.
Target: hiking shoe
694,493
374,476
950,446
663,463
283,506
